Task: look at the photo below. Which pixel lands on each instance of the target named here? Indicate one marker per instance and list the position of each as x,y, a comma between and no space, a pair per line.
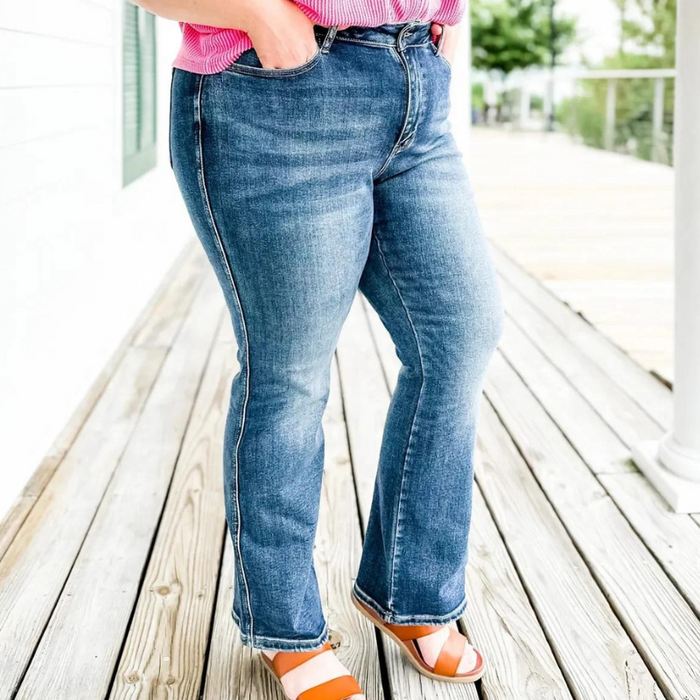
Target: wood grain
597,657
37,563
592,437
79,648
654,613
625,416
636,381
164,654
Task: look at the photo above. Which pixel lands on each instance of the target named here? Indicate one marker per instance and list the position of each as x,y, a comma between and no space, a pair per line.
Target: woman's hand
449,44
282,35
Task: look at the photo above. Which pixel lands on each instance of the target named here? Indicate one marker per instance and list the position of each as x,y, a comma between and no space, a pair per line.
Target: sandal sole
379,624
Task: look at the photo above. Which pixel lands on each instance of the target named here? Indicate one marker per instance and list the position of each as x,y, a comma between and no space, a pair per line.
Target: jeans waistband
397,35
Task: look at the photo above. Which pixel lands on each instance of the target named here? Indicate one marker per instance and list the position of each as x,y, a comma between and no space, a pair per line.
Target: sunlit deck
115,573
595,227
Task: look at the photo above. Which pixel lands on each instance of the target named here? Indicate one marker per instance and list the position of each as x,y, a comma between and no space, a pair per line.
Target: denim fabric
303,185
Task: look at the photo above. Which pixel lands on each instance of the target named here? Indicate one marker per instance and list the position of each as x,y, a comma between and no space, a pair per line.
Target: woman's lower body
303,185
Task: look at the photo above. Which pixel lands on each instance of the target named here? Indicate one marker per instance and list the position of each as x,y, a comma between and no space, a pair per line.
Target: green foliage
580,116
655,34
515,34
648,42
477,96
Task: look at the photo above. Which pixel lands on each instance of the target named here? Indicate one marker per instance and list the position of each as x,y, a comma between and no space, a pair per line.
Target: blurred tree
653,34
622,8
514,34
649,36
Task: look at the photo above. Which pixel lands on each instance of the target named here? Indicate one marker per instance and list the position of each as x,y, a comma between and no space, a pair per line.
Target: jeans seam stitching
365,43
253,639
277,73
227,265
395,148
393,618
413,420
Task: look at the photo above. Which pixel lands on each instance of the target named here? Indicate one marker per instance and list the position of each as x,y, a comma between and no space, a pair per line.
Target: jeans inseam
413,419
224,258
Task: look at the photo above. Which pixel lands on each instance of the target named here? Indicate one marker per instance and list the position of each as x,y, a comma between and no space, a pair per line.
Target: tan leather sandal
406,637
339,688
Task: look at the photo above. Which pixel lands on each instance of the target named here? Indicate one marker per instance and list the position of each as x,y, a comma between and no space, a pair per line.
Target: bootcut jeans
305,184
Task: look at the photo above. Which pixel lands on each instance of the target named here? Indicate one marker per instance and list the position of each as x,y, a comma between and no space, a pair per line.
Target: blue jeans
304,184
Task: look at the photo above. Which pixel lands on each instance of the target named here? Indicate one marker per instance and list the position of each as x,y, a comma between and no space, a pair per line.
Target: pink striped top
210,50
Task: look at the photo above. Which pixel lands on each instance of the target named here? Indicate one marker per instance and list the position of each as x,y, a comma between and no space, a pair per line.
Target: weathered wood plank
37,563
674,538
593,650
626,417
645,389
179,284
656,616
232,673
592,437
366,399
79,648
168,636
520,662
583,426
586,217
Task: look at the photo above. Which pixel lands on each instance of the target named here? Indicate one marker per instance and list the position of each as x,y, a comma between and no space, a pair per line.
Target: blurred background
92,220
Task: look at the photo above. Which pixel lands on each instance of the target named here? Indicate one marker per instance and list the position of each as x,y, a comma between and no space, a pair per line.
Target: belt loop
405,31
441,40
328,39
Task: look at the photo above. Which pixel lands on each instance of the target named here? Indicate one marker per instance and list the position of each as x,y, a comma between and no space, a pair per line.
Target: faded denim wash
303,185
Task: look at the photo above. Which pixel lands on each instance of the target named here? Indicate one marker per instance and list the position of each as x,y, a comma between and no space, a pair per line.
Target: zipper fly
413,92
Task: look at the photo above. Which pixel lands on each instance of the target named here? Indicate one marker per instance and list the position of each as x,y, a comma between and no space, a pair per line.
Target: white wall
80,255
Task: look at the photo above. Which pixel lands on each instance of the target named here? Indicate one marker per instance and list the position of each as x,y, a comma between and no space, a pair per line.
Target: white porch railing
565,80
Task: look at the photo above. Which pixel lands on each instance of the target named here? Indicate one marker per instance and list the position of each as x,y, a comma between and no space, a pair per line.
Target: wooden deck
595,227
115,577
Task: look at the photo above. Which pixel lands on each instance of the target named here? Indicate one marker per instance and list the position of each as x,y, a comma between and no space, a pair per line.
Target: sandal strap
450,655
337,689
407,633
286,661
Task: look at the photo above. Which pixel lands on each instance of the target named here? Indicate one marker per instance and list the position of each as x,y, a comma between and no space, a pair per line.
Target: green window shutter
139,92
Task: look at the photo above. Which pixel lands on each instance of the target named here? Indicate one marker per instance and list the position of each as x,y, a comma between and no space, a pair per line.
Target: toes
468,661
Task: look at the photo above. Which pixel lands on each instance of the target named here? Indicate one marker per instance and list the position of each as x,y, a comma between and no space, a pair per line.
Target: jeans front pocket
443,60
248,63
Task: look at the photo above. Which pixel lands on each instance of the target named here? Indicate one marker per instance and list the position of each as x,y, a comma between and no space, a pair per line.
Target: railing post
524,111
610,113
549,104
673,464
658,149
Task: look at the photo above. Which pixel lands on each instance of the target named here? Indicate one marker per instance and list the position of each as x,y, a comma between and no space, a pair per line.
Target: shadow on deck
115,577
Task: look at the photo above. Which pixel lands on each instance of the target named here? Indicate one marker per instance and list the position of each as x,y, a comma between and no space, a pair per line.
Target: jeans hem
396,619
258,641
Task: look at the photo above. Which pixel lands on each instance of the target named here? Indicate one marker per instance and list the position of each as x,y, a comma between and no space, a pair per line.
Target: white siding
80,255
